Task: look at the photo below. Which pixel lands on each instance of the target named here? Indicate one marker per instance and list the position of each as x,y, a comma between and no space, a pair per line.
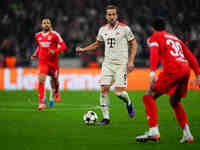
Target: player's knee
119,93
41,78
104,90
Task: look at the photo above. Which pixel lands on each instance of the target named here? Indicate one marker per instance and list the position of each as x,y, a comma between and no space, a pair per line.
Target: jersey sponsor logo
39,38
45,44
49,37
111,42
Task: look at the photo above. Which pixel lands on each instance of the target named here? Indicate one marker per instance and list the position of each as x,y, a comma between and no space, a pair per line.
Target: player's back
170,52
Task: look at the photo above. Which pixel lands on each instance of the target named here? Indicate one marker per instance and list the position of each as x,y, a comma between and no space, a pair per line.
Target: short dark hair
158,24
111,7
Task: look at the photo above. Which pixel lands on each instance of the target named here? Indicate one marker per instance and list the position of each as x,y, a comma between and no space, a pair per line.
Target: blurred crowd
78,22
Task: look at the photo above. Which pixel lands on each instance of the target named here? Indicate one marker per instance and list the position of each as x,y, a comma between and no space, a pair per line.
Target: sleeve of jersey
191,59
38,47
129,34
61,45
99,36
154,55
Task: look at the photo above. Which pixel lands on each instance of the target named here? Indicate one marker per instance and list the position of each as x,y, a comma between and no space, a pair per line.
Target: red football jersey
172,52
46,41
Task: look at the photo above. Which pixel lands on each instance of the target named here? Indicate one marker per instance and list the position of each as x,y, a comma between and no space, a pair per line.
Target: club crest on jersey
49,37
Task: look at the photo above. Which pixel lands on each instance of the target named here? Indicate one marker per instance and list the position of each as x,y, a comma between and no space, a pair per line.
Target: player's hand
51,51
130,68
153,79
33,57
80,50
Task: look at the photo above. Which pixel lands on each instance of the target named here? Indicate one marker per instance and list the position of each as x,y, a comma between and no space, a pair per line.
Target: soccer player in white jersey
117,64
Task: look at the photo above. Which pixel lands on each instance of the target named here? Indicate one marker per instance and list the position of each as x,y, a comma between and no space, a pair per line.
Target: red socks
180,115
41,92
152,115
151,110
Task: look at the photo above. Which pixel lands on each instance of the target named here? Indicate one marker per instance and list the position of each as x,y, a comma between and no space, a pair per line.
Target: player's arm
154,60
90,47
61,46
192,61
133,50
35,54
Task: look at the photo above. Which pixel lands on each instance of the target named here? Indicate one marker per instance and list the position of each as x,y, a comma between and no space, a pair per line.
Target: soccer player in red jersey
176,60
50,44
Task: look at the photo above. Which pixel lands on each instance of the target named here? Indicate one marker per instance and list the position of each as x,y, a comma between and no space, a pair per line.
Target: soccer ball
90,118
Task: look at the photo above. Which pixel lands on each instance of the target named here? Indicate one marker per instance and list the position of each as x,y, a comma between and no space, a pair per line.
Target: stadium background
78,22
23,127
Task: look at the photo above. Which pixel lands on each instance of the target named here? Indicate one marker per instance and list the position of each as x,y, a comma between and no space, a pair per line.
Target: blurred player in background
50,44
53,83
176,60
117,64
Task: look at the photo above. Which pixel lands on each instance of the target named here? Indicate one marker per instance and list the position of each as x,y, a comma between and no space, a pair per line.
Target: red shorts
45,68
169,83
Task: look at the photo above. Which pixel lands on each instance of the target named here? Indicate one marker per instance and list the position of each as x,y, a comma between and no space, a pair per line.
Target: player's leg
51,95
104,104
123,95
55,83
152,117
41,90
106,82
43,72
181,117
162,85
120,78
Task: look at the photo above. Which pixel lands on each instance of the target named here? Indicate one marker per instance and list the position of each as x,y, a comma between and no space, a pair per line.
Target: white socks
154,131
186,131
104,103
51,95
124,96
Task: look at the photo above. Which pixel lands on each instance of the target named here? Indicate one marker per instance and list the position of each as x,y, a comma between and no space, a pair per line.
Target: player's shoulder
103,27
54,32
157,36
38,34
122,24
171,36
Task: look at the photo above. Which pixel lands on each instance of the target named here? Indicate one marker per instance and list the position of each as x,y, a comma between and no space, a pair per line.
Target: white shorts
114,73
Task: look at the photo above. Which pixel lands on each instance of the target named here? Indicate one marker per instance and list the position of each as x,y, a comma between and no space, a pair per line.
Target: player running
50,44
176,60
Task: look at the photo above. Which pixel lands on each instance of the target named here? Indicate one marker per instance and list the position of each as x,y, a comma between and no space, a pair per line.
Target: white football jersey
116,42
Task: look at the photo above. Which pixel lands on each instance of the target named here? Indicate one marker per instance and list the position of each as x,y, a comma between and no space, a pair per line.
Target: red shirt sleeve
191,59
61,44
154,53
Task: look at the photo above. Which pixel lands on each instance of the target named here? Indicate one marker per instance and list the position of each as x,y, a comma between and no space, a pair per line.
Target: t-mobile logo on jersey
111,42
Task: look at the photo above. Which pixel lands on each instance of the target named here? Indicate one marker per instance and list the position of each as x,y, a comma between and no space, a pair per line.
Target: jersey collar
115,27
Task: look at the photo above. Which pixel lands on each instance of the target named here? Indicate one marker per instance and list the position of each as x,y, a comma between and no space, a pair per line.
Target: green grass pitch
23,127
